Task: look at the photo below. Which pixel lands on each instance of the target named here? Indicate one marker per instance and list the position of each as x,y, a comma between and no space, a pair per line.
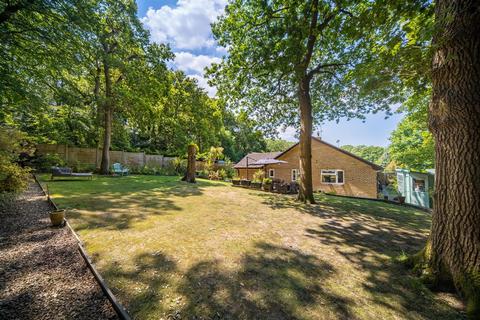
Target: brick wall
360,178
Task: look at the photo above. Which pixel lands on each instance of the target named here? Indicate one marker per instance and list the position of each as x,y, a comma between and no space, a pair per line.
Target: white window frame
330,172
296,174
271,173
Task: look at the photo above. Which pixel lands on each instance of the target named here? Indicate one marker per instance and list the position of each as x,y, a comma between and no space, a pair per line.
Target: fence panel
93,156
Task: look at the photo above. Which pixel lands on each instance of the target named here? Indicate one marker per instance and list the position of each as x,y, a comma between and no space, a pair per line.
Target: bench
67,172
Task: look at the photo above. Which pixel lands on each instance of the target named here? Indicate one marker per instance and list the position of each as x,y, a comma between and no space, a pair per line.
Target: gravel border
42,274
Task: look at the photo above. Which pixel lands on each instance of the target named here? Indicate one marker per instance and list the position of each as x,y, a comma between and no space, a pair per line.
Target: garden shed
415,186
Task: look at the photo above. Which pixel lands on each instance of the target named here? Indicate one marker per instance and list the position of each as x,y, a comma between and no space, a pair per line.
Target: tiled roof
253,157
373,165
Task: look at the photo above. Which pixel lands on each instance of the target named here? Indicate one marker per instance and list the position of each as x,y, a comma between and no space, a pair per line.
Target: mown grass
169,249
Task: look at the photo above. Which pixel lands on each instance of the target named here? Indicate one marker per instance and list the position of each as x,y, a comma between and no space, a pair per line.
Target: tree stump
191,161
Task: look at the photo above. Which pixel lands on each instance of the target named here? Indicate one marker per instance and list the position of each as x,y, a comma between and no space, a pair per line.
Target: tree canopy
66,66
373,154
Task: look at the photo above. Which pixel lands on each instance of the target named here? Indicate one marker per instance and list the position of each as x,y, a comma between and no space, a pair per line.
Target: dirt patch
42,274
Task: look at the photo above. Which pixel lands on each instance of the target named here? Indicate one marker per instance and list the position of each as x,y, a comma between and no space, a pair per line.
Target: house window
271,173
332,176
294,174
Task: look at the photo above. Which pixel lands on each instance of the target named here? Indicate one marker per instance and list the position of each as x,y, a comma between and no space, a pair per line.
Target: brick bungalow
334,170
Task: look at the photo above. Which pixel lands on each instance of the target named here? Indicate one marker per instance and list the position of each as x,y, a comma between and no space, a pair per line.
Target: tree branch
320,67
312,36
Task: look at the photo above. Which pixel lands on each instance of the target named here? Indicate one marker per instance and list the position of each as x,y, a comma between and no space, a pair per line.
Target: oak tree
454,119
300,62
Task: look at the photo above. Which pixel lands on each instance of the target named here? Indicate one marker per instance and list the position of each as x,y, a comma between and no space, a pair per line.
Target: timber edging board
117,306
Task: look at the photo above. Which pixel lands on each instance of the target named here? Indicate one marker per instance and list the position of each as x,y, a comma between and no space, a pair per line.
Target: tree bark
454,119
108,115
191,164
306,187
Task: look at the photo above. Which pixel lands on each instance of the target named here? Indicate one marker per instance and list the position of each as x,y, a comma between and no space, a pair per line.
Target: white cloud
190,63
221,50
187,26
202,82
288,133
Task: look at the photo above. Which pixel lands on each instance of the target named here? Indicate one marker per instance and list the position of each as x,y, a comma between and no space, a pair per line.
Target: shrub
230,170
44,162
222,174
267,181
179,165
81,167
258,175
214,175
203,174
13,178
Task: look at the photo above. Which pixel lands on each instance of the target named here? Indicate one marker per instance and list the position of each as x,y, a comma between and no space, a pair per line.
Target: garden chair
119,169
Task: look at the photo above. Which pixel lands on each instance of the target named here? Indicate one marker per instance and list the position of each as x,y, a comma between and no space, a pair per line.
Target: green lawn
172,250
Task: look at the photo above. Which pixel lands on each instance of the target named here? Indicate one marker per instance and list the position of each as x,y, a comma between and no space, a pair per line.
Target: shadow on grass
372,250
272,282
370,235
115,203
368,210
151,272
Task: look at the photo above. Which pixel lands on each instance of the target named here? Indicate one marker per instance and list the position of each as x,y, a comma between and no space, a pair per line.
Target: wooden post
191,165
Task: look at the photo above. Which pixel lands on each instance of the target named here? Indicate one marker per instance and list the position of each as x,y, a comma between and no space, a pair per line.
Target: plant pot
236,182
267,186
57,217
256,185
245,182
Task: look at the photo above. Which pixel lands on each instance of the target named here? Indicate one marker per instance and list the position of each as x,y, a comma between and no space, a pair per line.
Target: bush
213,175
44,162
179,165
81,167
267,181
222,174
13,178
230,170
258,175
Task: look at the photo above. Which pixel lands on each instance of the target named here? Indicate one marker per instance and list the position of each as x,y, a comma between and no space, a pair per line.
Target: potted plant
267,184
245,182
57,217
236,181
257,179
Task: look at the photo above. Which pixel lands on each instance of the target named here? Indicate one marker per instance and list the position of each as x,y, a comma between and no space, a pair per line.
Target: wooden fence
93,156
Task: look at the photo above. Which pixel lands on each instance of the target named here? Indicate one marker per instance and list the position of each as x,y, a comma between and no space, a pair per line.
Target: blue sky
185,24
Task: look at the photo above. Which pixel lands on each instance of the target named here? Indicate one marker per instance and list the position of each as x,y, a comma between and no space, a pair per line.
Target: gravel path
42,274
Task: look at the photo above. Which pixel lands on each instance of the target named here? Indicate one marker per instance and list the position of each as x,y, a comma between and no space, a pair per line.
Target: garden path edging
117,306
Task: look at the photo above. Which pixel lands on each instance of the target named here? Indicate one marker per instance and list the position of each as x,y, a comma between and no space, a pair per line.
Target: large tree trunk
108,115
455,124
191,164
306,188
